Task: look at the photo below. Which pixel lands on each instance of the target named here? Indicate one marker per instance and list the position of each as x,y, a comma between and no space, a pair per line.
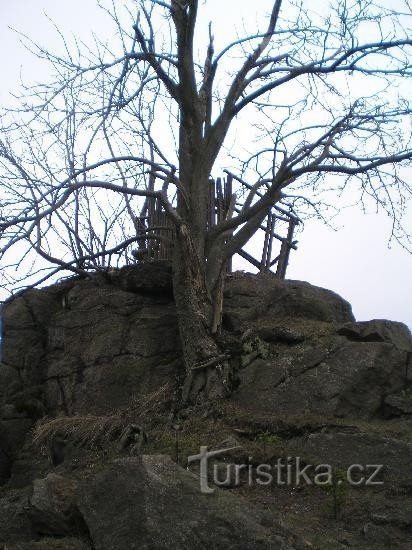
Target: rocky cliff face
83,351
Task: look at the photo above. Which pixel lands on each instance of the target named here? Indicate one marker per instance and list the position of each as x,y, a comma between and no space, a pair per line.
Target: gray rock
151,503
264,297
151,277
114,336
335,378
341,450
14,521
5,466
409,369
13,433
52,506
379,330
395,514
376,534
276,333
9,377
398,404
91,337
50,544
25,325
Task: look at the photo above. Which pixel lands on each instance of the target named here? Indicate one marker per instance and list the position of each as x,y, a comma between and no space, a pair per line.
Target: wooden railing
159,230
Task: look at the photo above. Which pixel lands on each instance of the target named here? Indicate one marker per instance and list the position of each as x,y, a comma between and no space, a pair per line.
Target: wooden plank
270,244
285,252
263,262
275,261
151,207
228,191
259,194
275,235
249,258
280,271
212,203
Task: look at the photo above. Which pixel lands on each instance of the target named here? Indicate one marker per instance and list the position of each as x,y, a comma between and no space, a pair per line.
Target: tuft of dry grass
85,431
92,431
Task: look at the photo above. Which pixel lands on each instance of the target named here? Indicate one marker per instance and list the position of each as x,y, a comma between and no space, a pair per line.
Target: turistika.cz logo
290,471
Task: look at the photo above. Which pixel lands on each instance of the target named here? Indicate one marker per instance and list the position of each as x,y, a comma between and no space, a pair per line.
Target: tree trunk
207,367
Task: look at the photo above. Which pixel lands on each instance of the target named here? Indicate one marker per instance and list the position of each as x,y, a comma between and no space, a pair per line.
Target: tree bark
206,366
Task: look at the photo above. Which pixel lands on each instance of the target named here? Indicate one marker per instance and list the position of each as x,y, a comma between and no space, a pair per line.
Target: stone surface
26,319
274,333
91,346
107,335
50,544
52,506
152,277
9,379
115,335
264,297
379,330
398,404
341,450
331,377
395,514
15,525
162,507
5,466
12,436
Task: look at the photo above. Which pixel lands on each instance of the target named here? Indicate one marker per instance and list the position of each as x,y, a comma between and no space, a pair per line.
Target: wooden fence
159,229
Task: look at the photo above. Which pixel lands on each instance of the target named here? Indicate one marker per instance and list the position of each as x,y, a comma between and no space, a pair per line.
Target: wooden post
285,251
219,201
270,244
228,197
151,208
263,263
212,204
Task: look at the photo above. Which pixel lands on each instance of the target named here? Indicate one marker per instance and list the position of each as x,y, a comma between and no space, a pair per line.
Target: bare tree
329,110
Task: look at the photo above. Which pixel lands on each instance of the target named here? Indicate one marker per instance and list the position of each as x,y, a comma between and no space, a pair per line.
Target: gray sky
354,261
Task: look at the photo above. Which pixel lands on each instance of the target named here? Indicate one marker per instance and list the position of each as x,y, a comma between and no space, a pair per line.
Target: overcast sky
355,261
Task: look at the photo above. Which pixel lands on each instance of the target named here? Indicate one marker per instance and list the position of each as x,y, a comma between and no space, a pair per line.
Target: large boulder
15,525
342,450
110,344
13,432
379,330
114,335
331,377
150,502
5,466
147,277
26,319
264,297
52,507
9,380
106,336
399,403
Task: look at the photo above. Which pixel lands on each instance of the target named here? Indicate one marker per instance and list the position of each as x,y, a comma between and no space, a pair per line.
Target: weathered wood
249,258
263,263
211,206
285,251
275,235
221,205
275,261
270,244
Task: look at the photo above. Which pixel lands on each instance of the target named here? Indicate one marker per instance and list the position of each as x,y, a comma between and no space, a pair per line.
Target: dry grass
85,431
92,431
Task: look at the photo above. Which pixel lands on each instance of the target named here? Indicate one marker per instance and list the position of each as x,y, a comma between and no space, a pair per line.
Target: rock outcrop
150,502
86,349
